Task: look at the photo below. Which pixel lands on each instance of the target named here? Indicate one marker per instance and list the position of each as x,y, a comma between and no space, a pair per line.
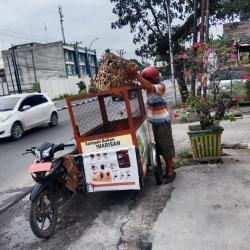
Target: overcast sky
22,21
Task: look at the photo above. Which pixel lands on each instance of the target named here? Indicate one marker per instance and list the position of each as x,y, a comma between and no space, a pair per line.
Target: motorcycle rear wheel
156,164
43,214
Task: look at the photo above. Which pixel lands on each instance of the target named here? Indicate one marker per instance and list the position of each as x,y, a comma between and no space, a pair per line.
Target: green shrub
82,86
93,89
83,92
62,97
36,87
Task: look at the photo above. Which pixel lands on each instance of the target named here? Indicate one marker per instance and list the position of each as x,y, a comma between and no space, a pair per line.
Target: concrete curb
83,102
15,199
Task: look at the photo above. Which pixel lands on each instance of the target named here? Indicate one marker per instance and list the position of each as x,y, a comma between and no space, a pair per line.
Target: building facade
238,33
26,64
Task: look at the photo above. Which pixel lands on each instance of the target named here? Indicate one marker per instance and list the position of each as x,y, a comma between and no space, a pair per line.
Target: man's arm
144,83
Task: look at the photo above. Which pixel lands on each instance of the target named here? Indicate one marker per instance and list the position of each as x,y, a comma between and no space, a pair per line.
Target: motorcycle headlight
46,153
47,173
38,155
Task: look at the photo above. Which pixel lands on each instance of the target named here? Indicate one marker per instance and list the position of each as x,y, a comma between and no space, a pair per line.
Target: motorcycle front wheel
43,214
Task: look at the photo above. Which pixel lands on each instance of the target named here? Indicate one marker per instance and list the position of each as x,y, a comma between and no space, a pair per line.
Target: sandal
170,179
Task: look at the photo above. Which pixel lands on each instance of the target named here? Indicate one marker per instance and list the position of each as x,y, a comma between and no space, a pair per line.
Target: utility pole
195,39
121,52
11,75
203,6
207,21
45,31
61,22
34,67
77,59
87,51
171,52
195,30
13,56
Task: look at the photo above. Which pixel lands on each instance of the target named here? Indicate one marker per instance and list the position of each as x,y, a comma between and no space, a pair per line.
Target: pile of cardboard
112,73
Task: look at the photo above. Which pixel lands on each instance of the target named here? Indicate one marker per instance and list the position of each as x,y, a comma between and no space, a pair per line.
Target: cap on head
151,73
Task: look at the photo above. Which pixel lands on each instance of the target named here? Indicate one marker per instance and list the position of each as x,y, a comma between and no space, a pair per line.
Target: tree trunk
181,81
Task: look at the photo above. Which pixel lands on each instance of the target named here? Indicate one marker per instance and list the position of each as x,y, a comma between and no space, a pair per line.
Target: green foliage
83,92
61,97
139,64
215,104
82,86
166,72
147,19
238,89
93,89
182,114
212,109
36,87
248,84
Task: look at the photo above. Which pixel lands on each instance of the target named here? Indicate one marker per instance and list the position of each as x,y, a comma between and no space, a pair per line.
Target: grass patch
184,158
61,97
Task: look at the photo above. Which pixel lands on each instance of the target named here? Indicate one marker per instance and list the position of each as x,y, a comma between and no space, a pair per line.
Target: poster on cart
114,169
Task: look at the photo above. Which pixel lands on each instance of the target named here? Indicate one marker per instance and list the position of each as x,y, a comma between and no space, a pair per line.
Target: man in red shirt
158,115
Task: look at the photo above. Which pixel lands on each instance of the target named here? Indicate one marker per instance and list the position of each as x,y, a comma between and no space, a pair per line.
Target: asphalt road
14,176
15,179
127,216
103,220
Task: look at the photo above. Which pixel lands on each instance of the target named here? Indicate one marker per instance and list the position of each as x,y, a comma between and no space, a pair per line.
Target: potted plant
212,102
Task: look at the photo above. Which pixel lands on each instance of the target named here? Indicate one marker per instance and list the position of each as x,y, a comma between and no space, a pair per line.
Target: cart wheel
156,164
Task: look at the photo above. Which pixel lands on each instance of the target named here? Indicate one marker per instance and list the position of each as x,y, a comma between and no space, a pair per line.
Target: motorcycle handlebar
69,145
55,148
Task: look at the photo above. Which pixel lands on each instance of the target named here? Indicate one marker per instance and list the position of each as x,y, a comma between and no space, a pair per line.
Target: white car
20,112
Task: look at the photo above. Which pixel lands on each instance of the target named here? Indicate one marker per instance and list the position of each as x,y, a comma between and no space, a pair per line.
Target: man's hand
131,70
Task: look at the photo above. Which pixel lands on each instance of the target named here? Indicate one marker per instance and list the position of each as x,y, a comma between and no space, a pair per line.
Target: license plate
40,167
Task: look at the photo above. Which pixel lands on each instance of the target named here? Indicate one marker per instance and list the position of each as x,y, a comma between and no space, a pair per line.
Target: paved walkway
210,205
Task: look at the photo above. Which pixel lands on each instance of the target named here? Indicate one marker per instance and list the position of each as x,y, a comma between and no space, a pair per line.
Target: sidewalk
210,205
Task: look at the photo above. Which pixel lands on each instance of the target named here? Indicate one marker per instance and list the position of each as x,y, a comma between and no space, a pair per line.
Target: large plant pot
206,144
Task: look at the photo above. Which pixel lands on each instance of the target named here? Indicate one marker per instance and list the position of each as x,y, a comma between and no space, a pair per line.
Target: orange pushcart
114,139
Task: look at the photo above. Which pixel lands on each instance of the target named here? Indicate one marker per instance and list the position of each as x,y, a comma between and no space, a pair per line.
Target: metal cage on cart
97,116
118,128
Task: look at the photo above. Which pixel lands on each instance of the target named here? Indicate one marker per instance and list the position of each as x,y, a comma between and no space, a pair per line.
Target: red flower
186,73
203,99
174,115
233,56
182,56
184,106
245,77
204,61
209,50
242,66
196,45
238,97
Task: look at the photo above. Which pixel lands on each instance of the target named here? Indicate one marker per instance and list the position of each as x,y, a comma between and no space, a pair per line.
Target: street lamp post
90,74
171,52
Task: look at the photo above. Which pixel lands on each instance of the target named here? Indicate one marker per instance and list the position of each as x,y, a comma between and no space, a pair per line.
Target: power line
23,37
21,34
